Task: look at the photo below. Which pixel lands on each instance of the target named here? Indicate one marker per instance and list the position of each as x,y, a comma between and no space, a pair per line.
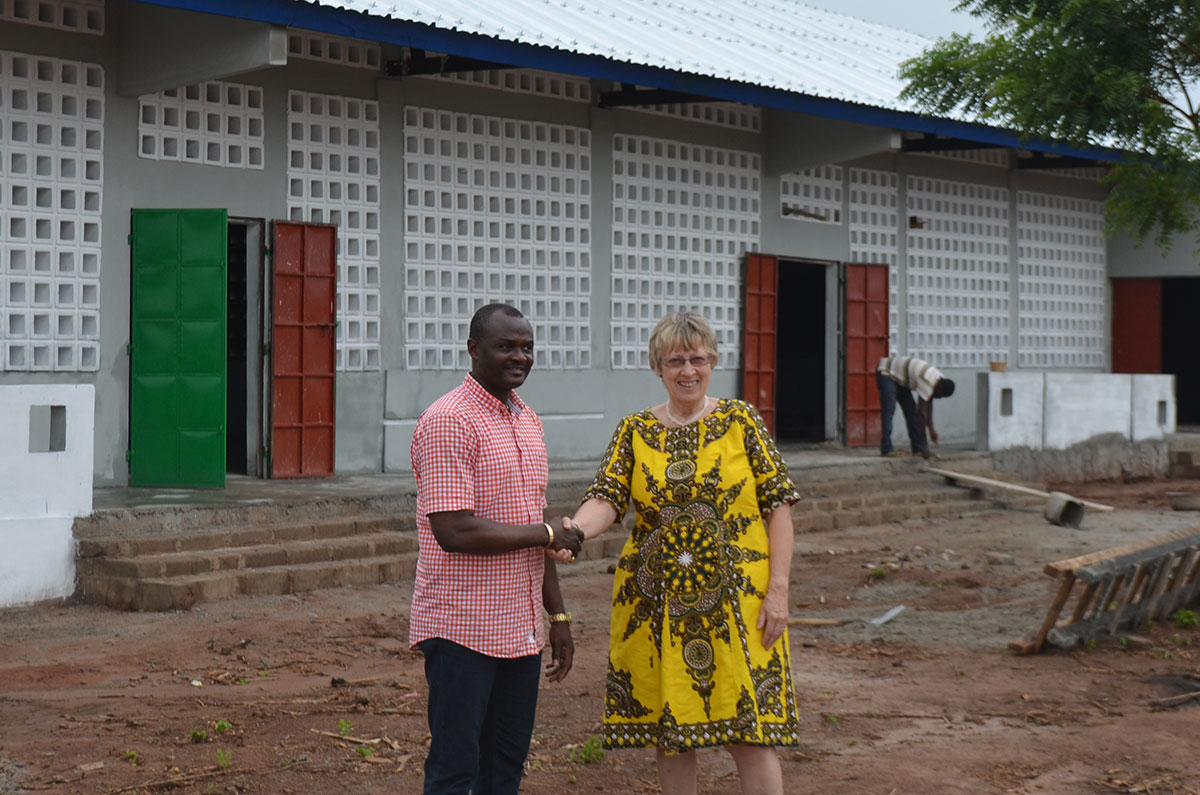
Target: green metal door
177,348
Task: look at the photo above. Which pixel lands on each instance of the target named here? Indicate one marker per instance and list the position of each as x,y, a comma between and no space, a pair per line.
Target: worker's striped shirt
911,373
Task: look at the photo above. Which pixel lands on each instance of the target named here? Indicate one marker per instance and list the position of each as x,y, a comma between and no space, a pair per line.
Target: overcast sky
933,18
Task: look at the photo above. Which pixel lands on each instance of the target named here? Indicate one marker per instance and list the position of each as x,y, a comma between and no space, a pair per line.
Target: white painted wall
994,429
43,491
1057,410
1079,406
1153,406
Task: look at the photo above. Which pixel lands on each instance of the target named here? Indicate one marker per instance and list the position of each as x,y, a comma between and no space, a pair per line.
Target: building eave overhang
406,33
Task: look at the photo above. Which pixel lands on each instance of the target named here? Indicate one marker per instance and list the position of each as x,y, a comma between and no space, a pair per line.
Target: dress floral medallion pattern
690,576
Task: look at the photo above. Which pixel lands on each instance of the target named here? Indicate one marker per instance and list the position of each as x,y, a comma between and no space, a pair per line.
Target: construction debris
888,616
1120,588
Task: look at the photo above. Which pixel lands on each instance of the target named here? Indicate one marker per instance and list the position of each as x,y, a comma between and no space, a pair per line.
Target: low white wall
1079,406
1054,411
46,443
1153,406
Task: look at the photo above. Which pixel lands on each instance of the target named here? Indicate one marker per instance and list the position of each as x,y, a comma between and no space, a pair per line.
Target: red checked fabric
471,452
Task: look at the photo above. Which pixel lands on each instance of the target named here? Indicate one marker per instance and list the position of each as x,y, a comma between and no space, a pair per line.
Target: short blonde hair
680,331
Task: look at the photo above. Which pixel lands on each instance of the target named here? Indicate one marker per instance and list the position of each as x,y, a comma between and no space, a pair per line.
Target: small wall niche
47,429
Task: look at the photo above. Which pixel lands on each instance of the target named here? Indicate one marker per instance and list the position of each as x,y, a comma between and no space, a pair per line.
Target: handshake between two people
568,540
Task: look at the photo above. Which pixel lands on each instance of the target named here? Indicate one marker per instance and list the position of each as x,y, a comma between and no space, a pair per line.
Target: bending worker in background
896,377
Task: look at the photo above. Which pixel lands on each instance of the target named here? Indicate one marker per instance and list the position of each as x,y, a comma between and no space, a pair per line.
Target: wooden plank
1145,602
1056,606
1000,484
1120,613
1193,588
1085,600
1185,537
815,622
1189,570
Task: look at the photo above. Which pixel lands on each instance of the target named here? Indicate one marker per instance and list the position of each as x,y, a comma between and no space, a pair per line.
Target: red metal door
758,338
303,350
866,344
1137,326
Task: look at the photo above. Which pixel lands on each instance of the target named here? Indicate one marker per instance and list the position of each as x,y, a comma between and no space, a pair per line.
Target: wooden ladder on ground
1119,589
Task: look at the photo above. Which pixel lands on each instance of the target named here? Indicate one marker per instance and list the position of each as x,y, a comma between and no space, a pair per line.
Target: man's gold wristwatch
560,618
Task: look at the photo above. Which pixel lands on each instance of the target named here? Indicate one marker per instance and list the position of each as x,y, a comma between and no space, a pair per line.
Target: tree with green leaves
1122,74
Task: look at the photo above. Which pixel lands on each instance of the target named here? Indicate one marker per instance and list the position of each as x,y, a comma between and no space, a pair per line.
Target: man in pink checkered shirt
483,575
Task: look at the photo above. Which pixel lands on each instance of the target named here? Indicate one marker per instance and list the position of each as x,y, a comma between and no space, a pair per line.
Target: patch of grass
833,719
1123,643
132,757
198,736
1184,618
224,758
877,574
587,752
1180,641
345,727
1163,654
222,726
364,751
1091,644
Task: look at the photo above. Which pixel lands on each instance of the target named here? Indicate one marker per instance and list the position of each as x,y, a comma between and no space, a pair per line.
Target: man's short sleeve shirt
471,452
911,373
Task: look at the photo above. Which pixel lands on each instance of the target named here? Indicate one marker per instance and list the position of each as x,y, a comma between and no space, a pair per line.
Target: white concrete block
38,561
1153,407
397,444
1082,405
58,423
1010,410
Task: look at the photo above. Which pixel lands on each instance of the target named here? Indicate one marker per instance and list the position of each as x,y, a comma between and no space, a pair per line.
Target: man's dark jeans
891,393
481,712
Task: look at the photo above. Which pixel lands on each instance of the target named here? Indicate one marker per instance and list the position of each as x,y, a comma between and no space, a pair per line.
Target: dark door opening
800,353
1180,330
244,383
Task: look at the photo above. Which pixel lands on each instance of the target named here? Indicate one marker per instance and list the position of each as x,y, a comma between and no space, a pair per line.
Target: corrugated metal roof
771,53
780,45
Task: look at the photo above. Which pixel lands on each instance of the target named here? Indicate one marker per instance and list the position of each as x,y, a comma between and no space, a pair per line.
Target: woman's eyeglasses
677,362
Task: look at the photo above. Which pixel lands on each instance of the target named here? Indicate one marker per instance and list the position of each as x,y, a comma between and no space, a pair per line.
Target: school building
259,230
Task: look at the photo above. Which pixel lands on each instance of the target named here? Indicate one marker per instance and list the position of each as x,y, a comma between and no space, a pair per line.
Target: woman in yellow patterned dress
698,649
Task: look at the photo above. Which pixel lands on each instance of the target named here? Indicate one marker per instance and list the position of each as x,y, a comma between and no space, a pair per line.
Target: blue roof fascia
406,33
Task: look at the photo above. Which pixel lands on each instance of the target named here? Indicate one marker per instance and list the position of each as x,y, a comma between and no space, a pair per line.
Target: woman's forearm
781,540
594,517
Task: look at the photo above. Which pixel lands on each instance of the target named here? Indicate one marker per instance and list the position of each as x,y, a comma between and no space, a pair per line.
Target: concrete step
198,538
249,556
183,591
171,559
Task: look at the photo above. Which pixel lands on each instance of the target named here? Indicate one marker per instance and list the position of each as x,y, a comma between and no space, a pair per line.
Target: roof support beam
935,143
629,96
795,142
164,48
418,62
1041,160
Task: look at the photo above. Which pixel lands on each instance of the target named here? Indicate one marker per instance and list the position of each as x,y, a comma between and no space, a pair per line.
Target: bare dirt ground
255,695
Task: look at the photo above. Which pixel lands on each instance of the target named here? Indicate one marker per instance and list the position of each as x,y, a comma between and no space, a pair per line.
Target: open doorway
1180,329
244,348
805,391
